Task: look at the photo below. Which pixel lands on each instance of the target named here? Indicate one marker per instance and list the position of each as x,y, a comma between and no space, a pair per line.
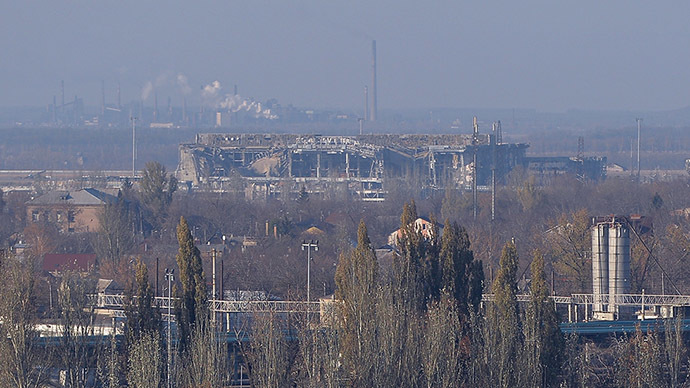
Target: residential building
73,211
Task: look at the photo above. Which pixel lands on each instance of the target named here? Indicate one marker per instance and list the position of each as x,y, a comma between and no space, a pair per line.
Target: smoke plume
234,103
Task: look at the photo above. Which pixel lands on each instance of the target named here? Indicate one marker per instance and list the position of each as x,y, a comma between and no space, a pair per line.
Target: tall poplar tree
457,266
544,342
157,189
417,263
142,316
115,236
192,299
356,281
505,319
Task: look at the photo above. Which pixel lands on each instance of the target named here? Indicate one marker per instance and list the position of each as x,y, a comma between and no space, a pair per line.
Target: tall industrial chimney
184,111
374,108
639,124
155,106
102,97
119,105
366,103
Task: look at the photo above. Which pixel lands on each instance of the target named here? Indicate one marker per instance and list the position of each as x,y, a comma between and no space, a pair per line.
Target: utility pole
475,143
309,245
213,282
169,275
213,255
134,145
639,125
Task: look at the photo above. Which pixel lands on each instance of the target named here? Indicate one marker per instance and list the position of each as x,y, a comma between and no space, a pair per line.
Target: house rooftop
109,287
83,197
68,262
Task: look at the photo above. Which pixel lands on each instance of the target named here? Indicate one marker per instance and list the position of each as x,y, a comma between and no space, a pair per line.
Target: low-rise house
420,225
109,287
73,211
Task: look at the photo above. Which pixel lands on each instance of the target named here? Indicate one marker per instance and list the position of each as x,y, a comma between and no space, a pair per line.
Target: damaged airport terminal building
268,165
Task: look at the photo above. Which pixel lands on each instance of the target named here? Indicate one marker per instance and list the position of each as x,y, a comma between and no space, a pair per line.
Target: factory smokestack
639,125
62,91
119,105
102,97
366,103
155,106
374,107
184,111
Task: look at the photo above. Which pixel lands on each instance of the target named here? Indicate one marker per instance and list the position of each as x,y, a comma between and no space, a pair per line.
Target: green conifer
192,299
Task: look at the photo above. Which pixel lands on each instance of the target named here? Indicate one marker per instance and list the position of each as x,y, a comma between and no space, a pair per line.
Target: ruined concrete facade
265,164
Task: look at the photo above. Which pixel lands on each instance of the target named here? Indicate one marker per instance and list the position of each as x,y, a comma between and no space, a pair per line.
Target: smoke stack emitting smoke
166,79
234,102
210,95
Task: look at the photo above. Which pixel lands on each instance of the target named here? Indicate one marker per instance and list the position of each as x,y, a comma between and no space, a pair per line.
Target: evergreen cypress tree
192,306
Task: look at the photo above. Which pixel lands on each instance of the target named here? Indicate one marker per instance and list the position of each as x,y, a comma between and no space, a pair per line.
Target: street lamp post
169,275
309,245
134,145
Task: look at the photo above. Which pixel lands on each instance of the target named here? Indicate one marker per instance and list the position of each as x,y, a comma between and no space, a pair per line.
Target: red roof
68,262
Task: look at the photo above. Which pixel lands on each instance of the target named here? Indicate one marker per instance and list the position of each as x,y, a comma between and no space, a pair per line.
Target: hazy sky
549,55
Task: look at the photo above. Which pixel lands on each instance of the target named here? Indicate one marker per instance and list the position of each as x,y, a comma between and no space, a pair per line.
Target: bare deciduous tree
22,363
76,328
267,354
205,359
145,366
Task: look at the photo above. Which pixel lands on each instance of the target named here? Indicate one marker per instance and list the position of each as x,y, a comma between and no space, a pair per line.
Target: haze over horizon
542,55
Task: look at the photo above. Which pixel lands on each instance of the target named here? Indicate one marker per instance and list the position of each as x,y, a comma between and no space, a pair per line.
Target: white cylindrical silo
619,262
600,264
